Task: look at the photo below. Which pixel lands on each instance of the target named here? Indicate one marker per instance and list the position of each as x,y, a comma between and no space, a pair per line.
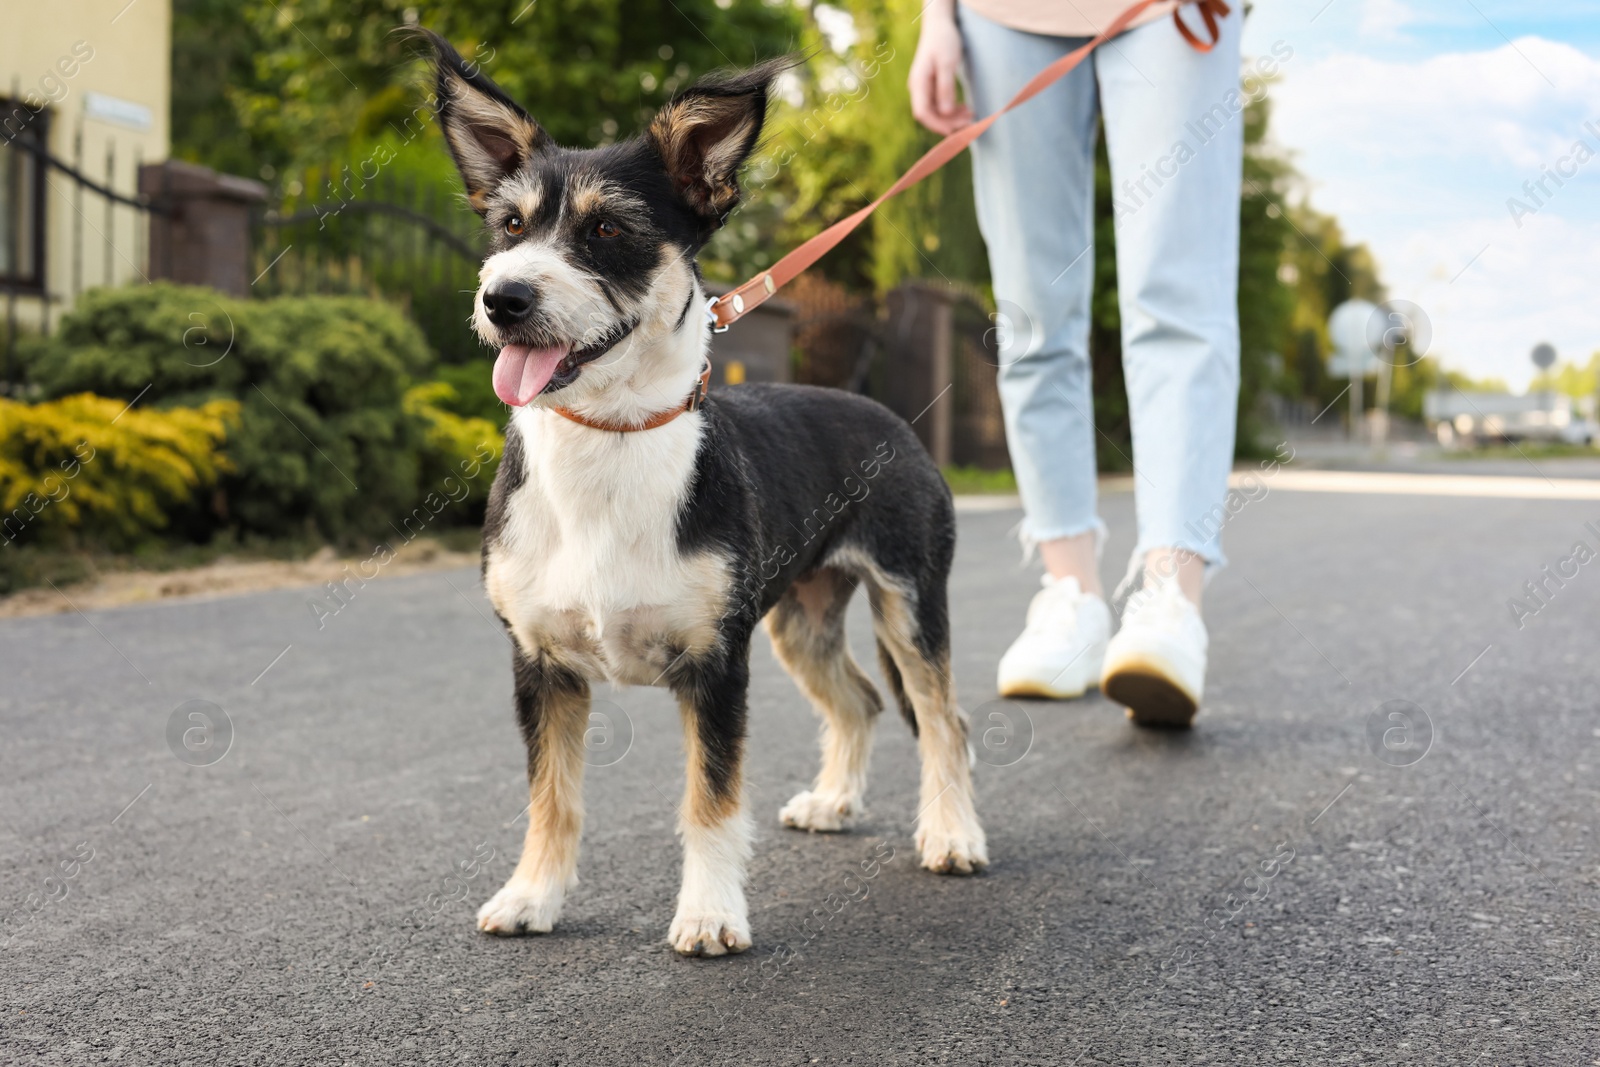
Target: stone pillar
200,228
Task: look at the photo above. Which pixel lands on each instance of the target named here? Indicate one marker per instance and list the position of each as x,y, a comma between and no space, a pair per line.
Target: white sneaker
1059,653
1156,664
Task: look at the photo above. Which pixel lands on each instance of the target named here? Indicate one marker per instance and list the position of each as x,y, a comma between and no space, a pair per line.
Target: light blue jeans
1174,133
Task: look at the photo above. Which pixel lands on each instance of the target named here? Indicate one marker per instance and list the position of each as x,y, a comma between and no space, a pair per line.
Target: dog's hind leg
913,625
712,919
807,631
553,711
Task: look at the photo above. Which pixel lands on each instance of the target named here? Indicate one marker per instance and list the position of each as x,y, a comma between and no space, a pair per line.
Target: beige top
1062,18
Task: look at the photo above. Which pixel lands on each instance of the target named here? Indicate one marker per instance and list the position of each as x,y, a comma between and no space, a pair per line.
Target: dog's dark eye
515,226
605,229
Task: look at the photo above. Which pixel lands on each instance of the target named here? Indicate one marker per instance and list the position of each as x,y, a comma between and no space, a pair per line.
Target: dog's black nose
508,303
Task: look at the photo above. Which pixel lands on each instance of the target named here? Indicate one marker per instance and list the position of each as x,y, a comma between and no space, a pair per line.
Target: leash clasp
711,316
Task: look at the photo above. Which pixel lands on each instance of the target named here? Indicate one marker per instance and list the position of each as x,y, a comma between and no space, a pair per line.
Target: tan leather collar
660,418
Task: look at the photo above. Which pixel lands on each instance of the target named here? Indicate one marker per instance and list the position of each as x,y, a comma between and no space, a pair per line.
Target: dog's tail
897,686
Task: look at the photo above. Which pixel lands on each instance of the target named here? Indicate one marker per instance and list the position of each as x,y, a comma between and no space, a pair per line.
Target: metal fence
978,431
105,235
394,237
928,352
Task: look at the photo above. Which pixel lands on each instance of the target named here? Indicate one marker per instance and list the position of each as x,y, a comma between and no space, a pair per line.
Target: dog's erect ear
489,135
707,132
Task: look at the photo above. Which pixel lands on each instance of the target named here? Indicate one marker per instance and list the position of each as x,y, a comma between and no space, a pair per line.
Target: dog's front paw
520,908
953,852
818,813
709,935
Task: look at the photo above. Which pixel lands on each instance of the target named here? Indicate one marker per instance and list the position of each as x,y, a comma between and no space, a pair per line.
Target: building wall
87,61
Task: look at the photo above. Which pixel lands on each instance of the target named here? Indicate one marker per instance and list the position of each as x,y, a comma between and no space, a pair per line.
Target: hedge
326,442
86,471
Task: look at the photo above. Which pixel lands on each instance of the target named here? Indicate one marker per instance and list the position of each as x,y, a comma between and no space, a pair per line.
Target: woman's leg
1174,124
1034,178
1174,131
1034,173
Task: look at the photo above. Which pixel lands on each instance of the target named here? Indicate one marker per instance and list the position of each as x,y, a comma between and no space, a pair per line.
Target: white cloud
1384,19
1419,158
1529,285
1518,102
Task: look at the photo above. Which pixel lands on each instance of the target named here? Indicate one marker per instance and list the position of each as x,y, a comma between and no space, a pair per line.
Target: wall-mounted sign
123,113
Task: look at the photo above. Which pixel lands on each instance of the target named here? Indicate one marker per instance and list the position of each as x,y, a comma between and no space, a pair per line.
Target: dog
639,529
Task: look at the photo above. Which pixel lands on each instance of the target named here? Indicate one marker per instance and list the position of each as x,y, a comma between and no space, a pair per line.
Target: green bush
460,454
86,471
472,392
325,444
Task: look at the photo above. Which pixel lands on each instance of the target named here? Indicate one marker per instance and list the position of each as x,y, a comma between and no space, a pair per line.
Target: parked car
1480,418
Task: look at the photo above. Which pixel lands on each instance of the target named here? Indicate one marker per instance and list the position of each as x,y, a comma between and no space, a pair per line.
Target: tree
213,60
1324,271
1571,379
279,84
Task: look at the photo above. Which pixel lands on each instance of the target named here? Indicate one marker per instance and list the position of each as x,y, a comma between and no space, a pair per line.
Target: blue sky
1415,121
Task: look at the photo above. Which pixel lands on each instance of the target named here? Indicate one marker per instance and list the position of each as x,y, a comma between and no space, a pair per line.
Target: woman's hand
934,69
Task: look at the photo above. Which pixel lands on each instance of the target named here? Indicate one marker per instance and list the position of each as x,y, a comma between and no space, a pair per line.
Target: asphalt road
1263,889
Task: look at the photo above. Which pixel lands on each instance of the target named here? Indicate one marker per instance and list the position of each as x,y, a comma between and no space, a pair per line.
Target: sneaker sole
1040,692
1151,697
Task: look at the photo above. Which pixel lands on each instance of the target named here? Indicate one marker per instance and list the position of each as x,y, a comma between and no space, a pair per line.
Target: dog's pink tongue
521,371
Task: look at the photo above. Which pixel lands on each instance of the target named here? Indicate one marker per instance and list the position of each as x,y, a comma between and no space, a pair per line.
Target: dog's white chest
587,569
